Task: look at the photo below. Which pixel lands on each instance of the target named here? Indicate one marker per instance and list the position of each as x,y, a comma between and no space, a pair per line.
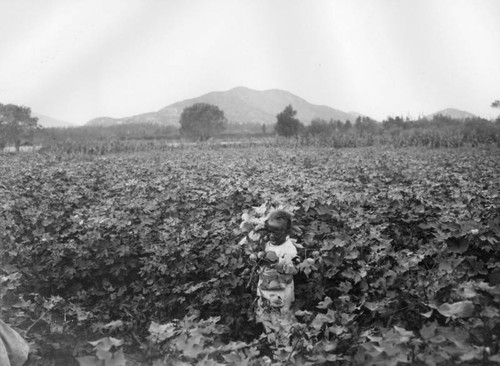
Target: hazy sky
77,60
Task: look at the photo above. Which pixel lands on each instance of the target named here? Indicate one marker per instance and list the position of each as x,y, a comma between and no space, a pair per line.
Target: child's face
278,230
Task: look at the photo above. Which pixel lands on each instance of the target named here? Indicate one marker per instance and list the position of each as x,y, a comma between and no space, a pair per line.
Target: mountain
452,113
356,114
240,105
103,121
46,121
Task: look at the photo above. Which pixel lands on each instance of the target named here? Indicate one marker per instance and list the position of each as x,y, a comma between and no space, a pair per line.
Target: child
275,287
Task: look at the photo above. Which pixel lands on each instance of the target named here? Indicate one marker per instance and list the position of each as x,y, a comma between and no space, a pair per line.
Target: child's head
279,224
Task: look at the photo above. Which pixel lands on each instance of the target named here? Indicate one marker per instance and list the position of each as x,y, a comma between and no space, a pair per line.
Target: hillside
452,113
240,105
103,121
46,121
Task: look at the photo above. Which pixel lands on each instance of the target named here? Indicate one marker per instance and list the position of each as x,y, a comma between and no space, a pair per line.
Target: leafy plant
108,352
400,252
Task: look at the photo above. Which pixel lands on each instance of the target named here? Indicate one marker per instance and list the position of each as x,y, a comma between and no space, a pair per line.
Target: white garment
14,350
276,284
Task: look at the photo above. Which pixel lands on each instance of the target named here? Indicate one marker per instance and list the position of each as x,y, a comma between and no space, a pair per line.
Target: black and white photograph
249,182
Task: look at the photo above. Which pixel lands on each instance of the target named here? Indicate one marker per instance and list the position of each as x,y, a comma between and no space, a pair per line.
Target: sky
78,60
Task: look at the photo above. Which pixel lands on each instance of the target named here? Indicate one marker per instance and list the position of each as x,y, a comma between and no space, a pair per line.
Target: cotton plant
253,224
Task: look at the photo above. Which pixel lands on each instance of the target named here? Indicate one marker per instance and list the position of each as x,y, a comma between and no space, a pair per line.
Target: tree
202,120
337,125
365,125
496,104
319,126
16,125
287,125
347,126
358,124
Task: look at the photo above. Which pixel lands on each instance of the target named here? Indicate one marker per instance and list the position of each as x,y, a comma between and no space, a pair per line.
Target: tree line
202,121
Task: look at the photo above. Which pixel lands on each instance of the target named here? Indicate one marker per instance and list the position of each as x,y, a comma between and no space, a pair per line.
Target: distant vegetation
202,121
432,132
16,125
287,125
440,131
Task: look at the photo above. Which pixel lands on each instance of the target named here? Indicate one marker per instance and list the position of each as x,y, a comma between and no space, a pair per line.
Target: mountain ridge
46,121
245,105
240,105
452,113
